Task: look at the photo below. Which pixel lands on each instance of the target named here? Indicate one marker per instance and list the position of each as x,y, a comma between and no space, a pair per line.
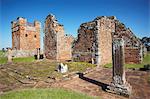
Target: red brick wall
132,55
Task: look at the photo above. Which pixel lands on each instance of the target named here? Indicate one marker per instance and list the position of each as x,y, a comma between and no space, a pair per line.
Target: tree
146,42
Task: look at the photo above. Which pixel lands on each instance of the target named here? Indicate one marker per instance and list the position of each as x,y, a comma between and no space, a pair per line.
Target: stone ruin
134,49
94,42
57,45
25,37
119,84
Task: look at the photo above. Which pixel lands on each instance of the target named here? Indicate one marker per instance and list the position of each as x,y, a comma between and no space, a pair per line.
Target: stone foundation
119,88
23,53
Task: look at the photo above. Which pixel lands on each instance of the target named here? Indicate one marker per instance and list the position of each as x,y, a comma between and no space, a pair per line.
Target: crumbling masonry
57,45
94,42
25,35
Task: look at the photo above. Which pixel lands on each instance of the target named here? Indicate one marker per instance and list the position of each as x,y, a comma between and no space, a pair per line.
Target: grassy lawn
3,58
53,93
146,60
40,70
79,66
24,59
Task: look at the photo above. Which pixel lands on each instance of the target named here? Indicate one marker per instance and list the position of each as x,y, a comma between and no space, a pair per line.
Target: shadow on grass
102,85
145,68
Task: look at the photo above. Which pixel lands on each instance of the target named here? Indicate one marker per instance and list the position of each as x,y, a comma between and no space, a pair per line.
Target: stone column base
120,89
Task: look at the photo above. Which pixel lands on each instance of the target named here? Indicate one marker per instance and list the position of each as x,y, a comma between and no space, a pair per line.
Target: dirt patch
94,82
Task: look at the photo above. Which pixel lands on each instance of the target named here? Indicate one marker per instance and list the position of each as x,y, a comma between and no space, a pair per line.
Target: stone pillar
38,53
119,84
9,56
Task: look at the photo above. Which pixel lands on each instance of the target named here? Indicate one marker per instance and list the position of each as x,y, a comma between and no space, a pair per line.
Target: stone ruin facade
94,42
134,49
57,45
25,37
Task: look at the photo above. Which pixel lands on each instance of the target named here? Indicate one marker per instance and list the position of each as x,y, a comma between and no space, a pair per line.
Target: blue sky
135,14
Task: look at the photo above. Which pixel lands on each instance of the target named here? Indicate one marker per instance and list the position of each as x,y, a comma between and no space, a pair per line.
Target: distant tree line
146,42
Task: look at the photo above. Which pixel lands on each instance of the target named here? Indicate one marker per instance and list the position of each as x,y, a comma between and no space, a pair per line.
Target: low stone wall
23,53
82,57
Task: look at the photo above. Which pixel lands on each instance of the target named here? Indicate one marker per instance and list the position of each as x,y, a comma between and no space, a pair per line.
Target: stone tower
25,35
57,45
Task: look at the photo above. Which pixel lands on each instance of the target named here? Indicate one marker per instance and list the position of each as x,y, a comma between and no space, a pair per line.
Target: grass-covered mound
53,93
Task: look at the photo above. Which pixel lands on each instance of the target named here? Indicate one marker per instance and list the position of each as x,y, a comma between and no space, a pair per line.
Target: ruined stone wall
94,41
85,47
66,48
107,27
25,36
57,46
52,31
132,55
133,46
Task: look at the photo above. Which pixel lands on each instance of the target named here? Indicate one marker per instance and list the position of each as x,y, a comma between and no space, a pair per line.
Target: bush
147,67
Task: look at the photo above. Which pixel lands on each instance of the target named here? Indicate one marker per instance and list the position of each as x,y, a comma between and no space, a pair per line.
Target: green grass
3,58
146,60
24,59
79,66
2,53
53,93
41,70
